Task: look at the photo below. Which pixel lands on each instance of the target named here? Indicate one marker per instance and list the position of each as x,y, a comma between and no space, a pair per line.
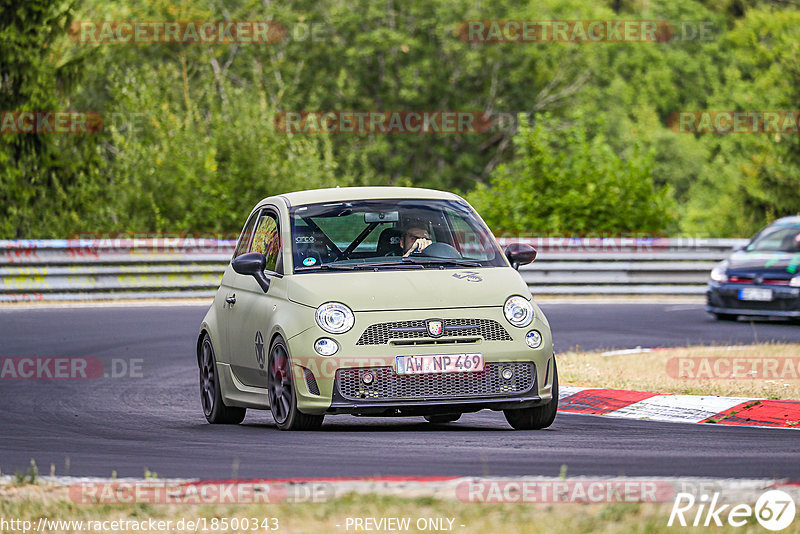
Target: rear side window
267,240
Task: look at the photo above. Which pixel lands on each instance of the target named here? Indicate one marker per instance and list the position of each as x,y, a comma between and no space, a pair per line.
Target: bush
565,182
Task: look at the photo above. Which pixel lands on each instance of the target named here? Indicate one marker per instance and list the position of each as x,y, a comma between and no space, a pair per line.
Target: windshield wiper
389,264
404,263
440,261
327,266
356,266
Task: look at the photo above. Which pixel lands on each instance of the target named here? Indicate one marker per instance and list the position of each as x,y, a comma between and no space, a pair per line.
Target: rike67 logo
774,510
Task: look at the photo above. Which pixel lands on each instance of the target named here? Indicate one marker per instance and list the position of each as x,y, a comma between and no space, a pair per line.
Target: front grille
778,304
389,386
381,333
765,281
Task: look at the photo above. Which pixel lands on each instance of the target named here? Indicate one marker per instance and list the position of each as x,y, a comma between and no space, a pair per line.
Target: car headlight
795,282
335,318
326,347
518,311
718,272
534,339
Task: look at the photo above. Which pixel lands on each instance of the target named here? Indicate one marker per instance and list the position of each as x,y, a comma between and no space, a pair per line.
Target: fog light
326,347
507,373
533,339
367,378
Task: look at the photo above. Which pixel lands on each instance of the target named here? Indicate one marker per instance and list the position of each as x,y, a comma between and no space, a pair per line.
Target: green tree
564,181
751,178
200,163
46,180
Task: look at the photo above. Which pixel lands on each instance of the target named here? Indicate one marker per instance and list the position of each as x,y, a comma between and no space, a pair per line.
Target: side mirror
520,254
252,264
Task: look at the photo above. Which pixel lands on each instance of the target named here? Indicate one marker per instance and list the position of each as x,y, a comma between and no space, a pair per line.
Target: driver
415,238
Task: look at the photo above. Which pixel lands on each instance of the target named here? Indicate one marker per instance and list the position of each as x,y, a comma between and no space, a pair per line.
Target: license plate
755,293
439,363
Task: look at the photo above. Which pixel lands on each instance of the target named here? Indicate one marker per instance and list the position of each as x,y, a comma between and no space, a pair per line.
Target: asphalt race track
155,421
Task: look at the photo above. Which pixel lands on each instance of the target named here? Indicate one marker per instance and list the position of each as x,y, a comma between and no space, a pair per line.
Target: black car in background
761,279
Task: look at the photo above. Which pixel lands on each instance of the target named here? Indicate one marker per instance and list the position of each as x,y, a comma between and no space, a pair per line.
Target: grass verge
765,371
33,502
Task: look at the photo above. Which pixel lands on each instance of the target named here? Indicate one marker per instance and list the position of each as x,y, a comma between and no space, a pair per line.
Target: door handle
231,300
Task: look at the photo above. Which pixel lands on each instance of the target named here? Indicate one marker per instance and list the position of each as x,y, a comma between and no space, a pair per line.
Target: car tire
210,395
726,316
443,418
282,393
537,417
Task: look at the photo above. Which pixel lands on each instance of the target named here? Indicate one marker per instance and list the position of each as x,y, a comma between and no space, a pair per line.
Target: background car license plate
439,363
755,293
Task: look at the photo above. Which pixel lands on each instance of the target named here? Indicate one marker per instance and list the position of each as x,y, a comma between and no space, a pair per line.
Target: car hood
408,289
786,264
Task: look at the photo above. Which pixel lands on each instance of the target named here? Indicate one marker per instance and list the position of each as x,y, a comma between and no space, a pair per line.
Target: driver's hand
418,246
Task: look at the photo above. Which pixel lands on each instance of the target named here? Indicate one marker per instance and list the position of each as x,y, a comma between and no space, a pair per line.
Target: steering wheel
439,250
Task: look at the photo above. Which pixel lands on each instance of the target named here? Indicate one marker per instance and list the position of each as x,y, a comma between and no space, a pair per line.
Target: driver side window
267,240
244,239
467,240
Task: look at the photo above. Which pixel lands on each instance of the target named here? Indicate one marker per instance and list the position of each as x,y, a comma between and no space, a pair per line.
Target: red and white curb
680,408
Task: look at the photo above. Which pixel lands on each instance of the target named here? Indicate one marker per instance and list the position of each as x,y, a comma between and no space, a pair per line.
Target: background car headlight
718,273
335,317
518,311
795,282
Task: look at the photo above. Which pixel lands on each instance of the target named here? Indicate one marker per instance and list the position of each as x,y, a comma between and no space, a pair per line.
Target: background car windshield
376,232
777,238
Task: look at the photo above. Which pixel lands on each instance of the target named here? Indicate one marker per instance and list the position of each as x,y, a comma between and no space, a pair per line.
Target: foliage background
189,144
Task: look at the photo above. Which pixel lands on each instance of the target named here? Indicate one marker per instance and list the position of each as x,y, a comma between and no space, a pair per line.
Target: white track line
686,408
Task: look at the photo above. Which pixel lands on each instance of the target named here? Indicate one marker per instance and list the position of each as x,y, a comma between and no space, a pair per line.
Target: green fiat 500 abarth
374,301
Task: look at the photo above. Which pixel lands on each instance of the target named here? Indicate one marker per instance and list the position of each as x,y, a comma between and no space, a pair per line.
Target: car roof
788,221
342,194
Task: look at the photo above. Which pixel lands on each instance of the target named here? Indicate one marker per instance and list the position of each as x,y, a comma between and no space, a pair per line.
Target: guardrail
624,266
162,268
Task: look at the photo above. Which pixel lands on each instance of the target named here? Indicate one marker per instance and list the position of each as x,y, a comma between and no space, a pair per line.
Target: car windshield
777,239
390,234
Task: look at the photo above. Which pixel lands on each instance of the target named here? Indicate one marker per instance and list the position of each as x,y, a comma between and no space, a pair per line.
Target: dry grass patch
31,503
768,371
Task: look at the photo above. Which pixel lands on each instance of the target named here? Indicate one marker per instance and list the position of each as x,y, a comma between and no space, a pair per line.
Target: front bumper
392,394
432,407
724,298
